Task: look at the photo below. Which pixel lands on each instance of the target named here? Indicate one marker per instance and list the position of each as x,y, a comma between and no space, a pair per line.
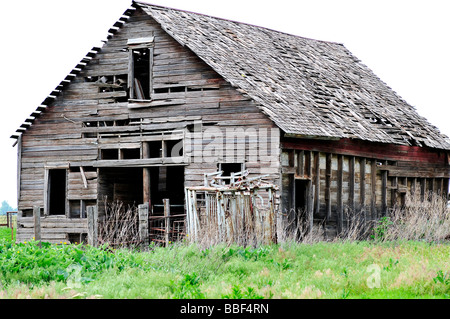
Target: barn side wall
350,177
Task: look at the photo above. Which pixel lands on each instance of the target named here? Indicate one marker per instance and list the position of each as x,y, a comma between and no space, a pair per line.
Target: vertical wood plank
37,224
130,73
308,163
310,205
394,187
362,182
362,190
92,216
316,182
384,181
150,71
166,203
300,163
328,185
423,183
373,197
340,208
351,183
413,186
146,176
143,224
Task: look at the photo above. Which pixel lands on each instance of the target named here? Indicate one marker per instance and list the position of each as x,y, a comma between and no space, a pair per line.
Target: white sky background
406,43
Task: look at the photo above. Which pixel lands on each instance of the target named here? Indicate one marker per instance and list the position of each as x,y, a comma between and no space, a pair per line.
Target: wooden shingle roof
306,87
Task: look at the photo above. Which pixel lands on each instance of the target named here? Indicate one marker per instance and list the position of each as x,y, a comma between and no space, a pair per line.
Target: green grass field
319,270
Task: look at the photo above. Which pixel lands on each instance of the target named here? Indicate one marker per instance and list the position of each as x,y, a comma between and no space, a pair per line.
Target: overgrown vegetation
320,270
407,257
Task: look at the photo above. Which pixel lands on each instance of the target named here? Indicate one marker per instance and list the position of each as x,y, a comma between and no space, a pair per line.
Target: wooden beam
83,177
353,147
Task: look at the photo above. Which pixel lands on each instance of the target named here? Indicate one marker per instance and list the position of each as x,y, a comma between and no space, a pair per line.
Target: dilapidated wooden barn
172,95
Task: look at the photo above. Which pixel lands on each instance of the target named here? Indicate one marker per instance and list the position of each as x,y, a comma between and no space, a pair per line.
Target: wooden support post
421,191
310,206
362,190
328,186
340,208
394,187
143,224
413,186
373,197
351,184
384,181
308,163
166,202
92,216
37,224
146,175
300,163
317,182
362,182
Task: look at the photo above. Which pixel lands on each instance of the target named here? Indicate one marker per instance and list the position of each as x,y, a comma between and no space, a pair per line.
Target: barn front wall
104,137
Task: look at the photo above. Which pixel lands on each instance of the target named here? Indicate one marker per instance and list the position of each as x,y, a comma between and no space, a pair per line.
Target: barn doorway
167,182
57,191
301,187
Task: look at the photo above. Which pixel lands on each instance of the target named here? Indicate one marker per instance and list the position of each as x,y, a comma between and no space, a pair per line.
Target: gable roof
307,87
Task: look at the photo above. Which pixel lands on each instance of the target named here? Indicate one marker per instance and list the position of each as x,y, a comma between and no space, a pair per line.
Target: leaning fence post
143,224
37,224
166,202
92,217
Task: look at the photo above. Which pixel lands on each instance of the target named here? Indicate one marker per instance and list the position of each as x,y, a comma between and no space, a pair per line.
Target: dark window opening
178,89
89,135
131,153
75,209
141,72
228,169
110,154
161,90
77,238
174,148
57,191
155,149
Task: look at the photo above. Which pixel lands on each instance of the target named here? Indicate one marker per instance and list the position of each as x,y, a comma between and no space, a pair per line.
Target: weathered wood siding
69,132
355,176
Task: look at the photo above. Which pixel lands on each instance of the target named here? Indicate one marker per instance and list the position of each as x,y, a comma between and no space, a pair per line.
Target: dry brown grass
119,226
427,220
424,220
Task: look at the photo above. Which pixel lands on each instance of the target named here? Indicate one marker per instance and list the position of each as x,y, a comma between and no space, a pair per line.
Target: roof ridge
235,21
